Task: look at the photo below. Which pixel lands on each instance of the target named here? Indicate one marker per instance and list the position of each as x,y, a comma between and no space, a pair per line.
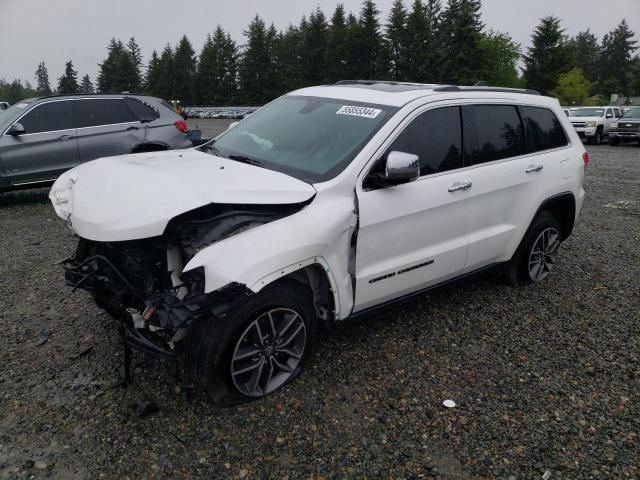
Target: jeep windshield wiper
244,159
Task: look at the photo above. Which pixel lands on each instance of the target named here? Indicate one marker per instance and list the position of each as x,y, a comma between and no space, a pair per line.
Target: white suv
594,123
324,204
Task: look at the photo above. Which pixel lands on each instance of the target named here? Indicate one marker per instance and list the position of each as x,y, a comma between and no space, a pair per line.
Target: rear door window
543,129
94,112
48,117
436,137
493,132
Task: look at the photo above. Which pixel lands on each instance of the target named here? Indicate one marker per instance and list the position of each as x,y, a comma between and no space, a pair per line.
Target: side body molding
319,234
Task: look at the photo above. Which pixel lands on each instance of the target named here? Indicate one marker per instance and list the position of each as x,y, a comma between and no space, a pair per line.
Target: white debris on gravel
449,403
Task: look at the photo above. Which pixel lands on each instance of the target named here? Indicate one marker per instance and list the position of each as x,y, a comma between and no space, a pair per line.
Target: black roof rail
454,88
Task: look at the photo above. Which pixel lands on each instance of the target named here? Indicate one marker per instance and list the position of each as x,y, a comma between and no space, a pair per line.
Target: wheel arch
563,207
316,275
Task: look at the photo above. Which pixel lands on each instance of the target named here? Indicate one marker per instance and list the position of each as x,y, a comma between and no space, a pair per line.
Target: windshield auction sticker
354,111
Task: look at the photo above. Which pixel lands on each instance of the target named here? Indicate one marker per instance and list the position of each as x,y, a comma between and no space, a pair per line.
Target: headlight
614,125
591,124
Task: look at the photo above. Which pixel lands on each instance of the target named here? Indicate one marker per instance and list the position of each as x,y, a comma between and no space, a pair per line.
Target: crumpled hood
134,196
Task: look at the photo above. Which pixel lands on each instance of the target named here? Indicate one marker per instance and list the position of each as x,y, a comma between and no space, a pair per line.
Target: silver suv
40,138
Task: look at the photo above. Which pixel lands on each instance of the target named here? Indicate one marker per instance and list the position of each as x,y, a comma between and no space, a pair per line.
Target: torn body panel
260,256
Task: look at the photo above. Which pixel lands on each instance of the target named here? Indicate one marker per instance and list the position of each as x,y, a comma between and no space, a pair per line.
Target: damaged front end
141,283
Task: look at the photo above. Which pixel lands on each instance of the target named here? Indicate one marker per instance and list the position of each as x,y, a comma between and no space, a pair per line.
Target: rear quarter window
543,129
141,110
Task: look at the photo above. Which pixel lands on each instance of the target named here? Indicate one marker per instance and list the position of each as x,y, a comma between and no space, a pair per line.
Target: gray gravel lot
545,378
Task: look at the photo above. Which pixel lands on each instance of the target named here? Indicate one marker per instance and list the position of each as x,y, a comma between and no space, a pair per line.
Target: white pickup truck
593,123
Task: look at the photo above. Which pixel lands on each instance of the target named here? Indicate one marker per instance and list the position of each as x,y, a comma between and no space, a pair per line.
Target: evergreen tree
370,62
255,67
118,71
314,46
184,70
153,77
397,36
337,53
547,57
136,57
615,61
634,77
217,70
42,80
165,87
68,83
462,32
424,60
287,55
501,56
14,92
86,86
584,53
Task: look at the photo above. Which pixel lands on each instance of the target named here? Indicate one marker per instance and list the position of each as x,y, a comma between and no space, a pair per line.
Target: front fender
318,234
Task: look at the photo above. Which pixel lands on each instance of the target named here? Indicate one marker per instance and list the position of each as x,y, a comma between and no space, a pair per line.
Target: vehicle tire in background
537,254
614,141
597,138
260,347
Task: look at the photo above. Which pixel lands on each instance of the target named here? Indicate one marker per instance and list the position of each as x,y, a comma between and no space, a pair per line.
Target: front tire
259,348
537,254
597,138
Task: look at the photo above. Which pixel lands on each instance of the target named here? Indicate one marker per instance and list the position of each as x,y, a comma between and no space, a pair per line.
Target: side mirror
17,129
401,167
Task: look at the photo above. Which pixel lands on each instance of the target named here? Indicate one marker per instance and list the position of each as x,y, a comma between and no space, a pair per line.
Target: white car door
414,235
514,165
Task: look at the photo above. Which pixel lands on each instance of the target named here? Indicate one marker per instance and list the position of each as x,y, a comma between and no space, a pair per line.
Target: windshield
8,116
589,112
309,138
632,113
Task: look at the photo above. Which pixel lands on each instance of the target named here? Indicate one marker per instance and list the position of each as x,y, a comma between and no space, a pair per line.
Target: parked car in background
627,128
593,123
326,203
4,105
40,138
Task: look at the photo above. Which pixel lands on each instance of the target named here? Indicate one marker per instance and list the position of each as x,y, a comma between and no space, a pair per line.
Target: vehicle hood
134,196
585,119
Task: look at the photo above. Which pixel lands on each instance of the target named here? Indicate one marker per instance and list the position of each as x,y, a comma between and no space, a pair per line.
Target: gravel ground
545,378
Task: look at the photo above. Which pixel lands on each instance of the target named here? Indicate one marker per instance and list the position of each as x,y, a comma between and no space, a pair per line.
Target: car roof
398,94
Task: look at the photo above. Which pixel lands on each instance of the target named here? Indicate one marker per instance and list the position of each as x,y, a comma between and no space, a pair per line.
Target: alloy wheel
543,254
268,352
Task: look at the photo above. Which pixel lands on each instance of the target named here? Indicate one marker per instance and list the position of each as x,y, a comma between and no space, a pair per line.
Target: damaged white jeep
322,205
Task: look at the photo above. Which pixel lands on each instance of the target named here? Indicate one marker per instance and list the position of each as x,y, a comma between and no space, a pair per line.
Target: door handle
133,127
65,137
460,186
534,168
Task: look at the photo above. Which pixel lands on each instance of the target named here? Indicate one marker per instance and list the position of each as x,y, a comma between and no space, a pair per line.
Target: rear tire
237,361
536,256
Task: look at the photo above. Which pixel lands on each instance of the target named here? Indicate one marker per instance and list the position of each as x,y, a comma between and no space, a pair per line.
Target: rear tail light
182,126
585,158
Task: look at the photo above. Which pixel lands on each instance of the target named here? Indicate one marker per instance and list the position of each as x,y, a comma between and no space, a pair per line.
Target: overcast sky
79,30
